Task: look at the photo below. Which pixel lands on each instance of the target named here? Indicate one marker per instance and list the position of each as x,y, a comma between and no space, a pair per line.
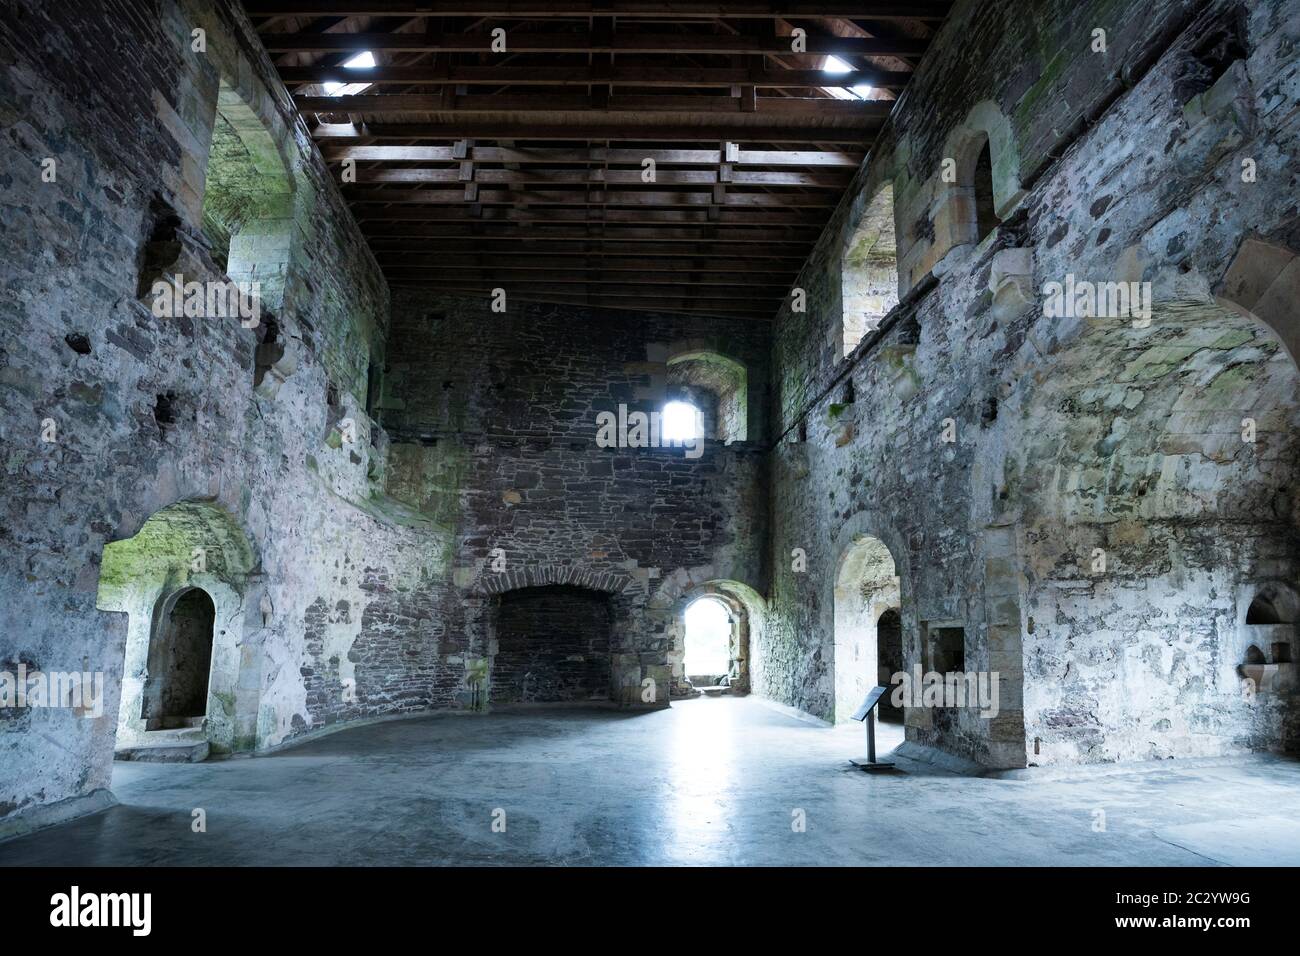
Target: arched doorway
180,659
889,660
705,623
707,658
866,589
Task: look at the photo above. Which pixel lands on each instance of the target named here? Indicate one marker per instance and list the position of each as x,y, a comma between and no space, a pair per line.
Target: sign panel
873,698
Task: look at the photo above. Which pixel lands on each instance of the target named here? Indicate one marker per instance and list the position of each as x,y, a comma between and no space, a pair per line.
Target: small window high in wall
681,422
986,217
870,271
711,390
248,199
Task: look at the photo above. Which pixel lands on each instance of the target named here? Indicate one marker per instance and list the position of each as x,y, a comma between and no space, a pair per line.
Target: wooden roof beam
774,109
661,76
537,176
673,10
659,198
599,154
621,43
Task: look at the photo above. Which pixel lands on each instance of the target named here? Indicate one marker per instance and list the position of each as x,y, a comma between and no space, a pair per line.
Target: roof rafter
673,155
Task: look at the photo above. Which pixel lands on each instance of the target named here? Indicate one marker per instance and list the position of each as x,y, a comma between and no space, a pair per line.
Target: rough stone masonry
371,484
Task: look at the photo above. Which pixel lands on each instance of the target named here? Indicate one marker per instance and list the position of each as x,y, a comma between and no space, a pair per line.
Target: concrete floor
710,781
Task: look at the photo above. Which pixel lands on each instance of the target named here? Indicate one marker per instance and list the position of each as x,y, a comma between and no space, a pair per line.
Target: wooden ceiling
528,168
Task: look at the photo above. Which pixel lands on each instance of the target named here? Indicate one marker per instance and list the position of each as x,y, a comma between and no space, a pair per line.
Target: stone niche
1268,635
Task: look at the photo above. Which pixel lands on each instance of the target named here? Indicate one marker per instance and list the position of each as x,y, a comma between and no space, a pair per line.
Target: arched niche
1268,636
186,546
175,692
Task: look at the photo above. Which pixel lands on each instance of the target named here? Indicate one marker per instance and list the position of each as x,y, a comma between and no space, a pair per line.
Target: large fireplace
552,645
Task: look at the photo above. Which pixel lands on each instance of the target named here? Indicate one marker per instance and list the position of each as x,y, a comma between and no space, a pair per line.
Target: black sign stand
866,714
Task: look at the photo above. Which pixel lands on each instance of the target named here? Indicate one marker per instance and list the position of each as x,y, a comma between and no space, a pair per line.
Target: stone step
189,752
174,735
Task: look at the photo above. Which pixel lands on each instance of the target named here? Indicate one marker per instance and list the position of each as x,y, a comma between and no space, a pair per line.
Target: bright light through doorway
681,422
708,638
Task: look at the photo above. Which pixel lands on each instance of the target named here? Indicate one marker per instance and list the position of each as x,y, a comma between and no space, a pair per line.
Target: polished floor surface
712,781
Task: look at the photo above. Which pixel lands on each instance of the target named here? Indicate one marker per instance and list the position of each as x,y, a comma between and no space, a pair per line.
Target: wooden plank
741,293
667,9
591,246
469,212
802,110
758,309
529,128
579,260
598,155
589,196
579,42
623,75
616,177
798,237
722,298
595,276
581,132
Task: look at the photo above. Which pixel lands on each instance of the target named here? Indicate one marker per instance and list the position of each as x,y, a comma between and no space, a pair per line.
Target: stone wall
1093,503
1076,494
148,453
110,414
493,418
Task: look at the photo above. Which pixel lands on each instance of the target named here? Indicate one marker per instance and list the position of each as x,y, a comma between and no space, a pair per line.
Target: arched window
717,387
1272,605
979,183
681,422
870,271
986,217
